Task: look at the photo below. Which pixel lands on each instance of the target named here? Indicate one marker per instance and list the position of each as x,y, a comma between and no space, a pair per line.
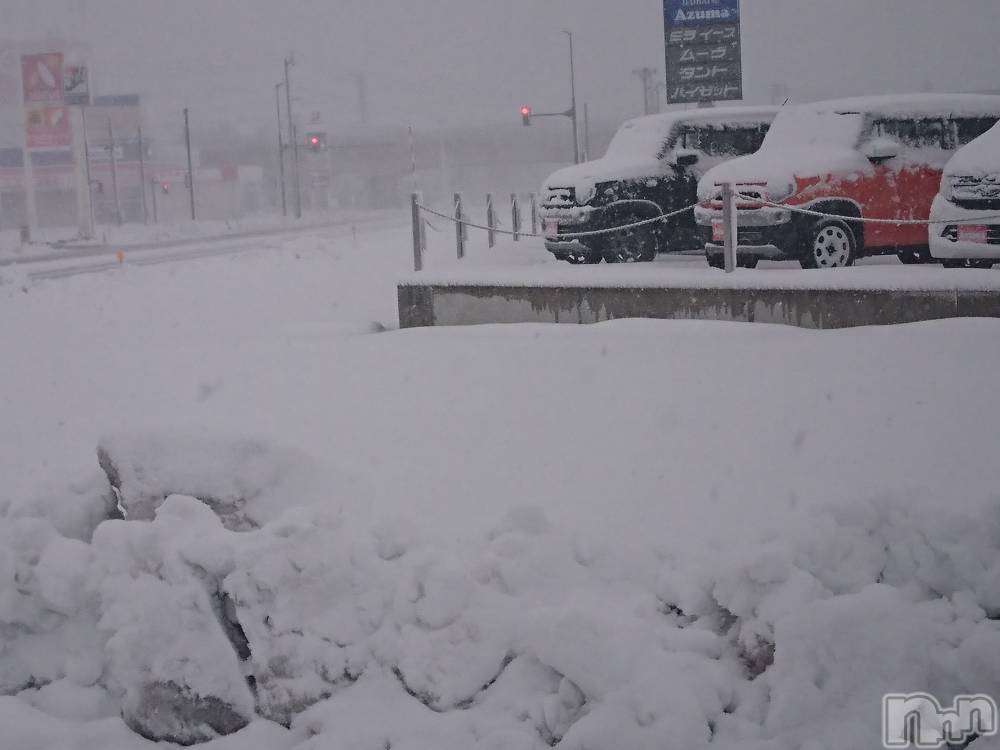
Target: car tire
830,244
580,258
912,257
633,245
750,261
982,263
716,261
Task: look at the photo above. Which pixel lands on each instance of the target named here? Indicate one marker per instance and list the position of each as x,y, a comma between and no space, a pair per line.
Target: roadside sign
703,50
76,85
42,78
48,127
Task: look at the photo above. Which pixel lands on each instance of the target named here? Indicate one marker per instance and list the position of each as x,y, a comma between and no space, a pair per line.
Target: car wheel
912,257
831,245
716,261
967,263
749,261
581,258
632,245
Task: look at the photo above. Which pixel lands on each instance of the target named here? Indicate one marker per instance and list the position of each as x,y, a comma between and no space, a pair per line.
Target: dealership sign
48,127
703,57
42,78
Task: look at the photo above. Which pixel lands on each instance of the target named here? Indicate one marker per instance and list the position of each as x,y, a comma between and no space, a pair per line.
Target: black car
652,168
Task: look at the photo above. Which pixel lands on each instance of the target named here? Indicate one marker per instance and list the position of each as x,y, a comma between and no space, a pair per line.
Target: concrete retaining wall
446,305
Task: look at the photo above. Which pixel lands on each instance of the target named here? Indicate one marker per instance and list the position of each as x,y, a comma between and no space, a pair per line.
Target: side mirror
685,157
881,149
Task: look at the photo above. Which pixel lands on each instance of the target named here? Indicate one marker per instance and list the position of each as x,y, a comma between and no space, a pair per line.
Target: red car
872,157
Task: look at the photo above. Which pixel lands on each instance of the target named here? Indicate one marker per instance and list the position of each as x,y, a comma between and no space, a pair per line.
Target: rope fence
730,214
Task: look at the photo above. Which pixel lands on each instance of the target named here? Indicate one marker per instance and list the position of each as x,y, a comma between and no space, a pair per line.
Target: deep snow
636,534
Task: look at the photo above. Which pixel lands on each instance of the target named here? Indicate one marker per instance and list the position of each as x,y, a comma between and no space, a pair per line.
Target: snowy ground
638,534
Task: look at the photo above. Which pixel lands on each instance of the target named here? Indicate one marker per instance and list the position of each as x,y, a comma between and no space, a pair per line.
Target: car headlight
780,193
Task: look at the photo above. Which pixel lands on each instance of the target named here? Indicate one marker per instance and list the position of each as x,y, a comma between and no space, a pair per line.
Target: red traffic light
314,141
526,115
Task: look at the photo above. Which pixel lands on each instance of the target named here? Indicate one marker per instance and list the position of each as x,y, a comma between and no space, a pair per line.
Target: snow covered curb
524,635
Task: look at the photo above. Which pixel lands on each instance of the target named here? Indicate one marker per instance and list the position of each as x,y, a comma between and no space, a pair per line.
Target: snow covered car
875,157
969,201
652,167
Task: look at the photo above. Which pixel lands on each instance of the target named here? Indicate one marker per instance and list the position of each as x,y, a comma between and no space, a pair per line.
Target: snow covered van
969,203
652,167
873,157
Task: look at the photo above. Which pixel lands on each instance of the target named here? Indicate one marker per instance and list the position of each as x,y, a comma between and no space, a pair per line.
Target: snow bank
523,635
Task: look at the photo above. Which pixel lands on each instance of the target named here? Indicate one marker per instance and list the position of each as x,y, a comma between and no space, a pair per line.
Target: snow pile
308,628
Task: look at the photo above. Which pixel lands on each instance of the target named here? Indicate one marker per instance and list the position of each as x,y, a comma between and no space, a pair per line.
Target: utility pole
142,177
114,173
586,131
281,150
289,61
572,106
645,75
187,142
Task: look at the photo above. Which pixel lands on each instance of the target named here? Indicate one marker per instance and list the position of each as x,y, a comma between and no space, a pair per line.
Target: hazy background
460,62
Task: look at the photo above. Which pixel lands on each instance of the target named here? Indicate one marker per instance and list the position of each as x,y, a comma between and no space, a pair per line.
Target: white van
969,204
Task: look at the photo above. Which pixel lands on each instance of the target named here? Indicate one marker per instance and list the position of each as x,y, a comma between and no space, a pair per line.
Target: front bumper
762,233
944,242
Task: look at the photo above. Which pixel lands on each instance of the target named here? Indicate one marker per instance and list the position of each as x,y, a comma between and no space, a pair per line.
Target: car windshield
642,139
799,126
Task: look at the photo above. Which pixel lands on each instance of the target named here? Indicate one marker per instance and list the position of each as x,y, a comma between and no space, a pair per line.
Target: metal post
515,217
84,212
534,213
152,190
459,227
491,235
86,161
418,246
572,106
114,173
187,141
281,150
729,223
586,132
142,178
295,140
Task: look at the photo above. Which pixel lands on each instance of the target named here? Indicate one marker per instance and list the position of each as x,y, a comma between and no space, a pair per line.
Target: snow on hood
978,158
583,178
779,167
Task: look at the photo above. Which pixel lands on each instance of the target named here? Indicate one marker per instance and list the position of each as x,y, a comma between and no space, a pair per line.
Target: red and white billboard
42,78
48,127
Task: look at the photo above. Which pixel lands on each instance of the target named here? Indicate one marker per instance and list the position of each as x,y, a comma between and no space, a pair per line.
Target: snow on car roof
638,138
912,104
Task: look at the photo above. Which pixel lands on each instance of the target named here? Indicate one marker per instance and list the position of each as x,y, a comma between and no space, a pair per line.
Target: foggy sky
459,62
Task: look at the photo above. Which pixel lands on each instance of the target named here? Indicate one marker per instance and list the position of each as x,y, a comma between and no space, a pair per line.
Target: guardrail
730,220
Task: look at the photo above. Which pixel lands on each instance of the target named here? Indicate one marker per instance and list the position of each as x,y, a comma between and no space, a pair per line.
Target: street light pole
572,107
295,144
281,150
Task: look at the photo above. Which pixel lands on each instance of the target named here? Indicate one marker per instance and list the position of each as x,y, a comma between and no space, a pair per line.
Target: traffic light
526,115
316,141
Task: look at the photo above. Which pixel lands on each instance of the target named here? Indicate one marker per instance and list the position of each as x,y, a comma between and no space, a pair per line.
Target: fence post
515,217
491,235
418,244
729,226
534,213
459,227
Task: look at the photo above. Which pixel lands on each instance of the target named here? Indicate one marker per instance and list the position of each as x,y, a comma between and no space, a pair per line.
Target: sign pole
114,173
81,173
142,178
187,141
86,163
